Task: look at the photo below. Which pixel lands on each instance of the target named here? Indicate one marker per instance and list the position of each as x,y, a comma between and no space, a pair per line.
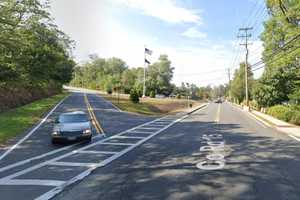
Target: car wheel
53,141
89,140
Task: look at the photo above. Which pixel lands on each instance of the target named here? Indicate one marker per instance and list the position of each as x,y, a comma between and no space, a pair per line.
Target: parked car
72,126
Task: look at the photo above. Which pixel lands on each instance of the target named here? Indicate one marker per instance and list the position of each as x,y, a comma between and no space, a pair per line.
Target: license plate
71,138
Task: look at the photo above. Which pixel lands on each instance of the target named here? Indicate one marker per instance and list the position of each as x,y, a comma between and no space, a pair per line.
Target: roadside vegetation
35,56
150,106
113,75
277,91
16,121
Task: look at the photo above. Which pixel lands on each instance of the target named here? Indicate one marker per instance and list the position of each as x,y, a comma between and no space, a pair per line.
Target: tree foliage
280,81
237,87
114,74
34,53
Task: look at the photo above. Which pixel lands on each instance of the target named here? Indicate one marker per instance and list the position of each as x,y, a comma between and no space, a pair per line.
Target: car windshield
72,118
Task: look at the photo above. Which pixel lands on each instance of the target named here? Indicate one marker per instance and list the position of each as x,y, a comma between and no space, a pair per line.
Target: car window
73,118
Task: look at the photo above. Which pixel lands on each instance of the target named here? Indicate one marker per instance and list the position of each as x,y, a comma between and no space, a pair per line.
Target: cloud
165,10
194,33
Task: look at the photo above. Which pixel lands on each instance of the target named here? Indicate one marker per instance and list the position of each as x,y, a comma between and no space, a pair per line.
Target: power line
277,58
278,50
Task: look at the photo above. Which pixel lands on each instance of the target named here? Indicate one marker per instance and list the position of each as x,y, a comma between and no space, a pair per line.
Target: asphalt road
146,158
260,163
38,149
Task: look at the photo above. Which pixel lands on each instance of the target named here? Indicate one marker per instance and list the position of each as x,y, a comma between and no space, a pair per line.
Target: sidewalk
277,124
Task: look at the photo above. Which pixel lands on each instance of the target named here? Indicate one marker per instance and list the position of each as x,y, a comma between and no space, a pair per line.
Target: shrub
178,96
296,118
281,112
254,105
109,90
152,94
134,96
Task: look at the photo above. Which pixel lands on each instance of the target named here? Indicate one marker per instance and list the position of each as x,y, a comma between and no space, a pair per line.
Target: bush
109,90
152,94
281,112
134,96
296,118
178,96
254,105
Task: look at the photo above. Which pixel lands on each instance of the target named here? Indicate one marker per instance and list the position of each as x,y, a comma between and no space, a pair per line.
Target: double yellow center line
93,116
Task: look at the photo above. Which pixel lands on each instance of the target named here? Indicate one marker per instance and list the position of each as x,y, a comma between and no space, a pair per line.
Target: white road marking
23,162
65,155
156,125
118,143
146,132
148,128
294,137
59,188
118,109
68,147
32,131
253,117
163,121
33,182
73,164
129,137
97,152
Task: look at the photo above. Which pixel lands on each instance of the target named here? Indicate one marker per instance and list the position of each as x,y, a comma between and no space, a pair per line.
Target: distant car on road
72,126
218,100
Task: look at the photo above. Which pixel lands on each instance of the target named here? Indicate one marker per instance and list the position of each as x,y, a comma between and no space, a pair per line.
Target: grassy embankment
16,121
150,106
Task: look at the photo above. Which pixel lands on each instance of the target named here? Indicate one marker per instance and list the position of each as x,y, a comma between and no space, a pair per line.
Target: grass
149,106
16,121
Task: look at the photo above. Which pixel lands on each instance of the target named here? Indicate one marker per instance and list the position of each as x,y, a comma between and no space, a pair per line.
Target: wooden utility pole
229,84
246,36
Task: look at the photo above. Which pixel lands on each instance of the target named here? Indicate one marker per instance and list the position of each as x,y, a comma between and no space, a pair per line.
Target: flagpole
144,84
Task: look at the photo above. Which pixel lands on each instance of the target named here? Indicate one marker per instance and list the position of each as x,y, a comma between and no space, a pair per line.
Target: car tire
53,141
89,140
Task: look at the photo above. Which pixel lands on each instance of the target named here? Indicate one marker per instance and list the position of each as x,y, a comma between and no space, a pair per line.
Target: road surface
157,158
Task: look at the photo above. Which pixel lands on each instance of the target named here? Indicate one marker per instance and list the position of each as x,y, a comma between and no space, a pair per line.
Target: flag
148,51
146,61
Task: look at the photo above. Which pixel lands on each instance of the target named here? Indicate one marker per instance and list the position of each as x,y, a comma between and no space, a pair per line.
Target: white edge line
48,195
99,95
260,121
294,137
32,131
253,117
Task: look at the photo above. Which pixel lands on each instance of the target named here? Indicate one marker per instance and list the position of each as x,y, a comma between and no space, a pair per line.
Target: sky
199,36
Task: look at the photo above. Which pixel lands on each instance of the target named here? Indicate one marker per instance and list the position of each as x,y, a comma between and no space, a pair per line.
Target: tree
159,76
280,80
237,88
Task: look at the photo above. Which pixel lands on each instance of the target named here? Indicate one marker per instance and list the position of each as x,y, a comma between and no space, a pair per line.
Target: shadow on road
257,167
